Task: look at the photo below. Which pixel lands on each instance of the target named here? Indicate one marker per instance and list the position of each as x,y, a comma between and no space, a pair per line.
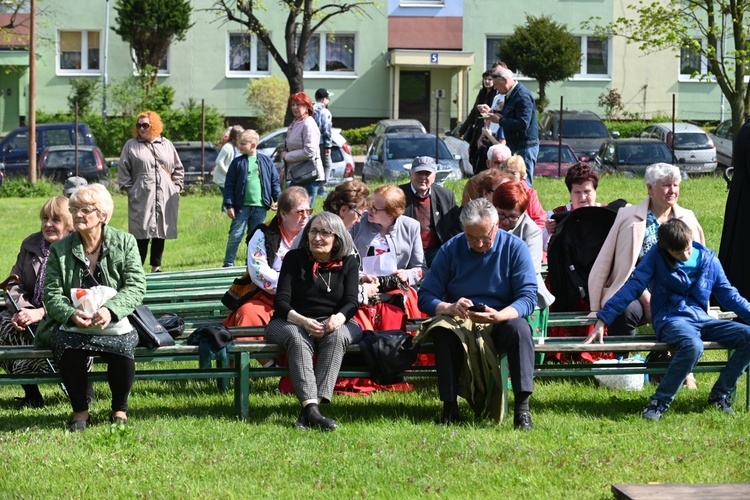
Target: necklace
327,283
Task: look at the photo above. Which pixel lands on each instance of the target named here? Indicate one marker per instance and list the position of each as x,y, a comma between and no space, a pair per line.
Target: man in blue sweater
485,276
251,187
681,275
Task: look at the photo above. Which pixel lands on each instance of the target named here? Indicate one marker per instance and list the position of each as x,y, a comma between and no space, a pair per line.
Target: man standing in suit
428,203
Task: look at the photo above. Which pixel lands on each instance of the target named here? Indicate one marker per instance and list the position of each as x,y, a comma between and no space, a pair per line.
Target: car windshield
643,154
411,147
403,128
691,140
67,159
192,156
549,153
584,129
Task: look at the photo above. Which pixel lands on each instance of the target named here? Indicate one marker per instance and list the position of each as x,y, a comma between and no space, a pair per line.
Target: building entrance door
414,96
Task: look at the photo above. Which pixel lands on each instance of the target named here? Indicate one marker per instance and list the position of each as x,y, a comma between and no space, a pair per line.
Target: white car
722,137
693,148
342,168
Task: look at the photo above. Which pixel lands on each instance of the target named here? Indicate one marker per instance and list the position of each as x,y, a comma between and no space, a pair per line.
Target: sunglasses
304,212
144,126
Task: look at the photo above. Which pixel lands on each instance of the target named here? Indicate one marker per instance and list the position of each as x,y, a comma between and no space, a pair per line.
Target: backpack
572,250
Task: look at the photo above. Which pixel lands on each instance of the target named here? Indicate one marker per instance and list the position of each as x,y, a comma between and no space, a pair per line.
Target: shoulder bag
242,290
151,333
303,173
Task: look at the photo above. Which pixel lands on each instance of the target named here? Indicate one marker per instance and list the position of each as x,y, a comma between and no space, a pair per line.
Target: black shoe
522,421
721,402
30,402
450,414
654,410
301,423
79,425
315,419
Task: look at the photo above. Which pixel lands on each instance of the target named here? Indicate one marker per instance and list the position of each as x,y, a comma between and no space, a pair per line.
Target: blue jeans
687,337
245,217
529,155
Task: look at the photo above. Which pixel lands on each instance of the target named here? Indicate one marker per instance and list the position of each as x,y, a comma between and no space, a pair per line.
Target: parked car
342,161
190,155
459,147
391,155
723,138
584,131
59,162
14,148
550,152
693,148
632,155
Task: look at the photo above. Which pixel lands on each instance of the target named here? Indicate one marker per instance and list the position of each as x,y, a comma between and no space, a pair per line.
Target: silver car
693,148
391,155
342,161
722,137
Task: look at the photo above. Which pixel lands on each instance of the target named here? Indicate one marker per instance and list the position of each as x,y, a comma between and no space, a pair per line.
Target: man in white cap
73,184
324,119
428,203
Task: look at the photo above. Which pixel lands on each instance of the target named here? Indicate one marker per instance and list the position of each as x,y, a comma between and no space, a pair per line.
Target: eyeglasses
374,210
498,75
512,218
323,233
486,239
358,213
304,212
84,210
144,126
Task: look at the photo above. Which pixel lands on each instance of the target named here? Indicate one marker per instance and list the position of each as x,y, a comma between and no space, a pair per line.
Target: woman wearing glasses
390,244
95,254
266,250
511,201
152,174
316,299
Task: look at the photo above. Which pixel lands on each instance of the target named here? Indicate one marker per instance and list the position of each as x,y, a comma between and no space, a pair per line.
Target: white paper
380,265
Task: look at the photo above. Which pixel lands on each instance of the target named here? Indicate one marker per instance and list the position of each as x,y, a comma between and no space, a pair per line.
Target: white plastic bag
91,299
631,382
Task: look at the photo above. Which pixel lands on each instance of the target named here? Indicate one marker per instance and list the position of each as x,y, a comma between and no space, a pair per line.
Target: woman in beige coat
632,235
152,175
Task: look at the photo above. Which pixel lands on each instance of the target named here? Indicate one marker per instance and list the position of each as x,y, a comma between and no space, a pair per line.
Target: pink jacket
618,256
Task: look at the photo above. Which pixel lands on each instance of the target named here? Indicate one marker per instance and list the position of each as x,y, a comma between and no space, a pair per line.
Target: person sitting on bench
682,274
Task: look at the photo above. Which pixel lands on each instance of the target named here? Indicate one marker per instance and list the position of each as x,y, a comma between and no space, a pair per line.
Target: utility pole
32,94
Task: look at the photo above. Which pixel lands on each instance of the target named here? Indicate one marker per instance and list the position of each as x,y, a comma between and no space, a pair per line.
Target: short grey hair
342,244
476,211
660,172
505,73
96,195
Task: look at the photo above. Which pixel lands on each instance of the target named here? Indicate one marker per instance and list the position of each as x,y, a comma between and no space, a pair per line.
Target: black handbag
151,334
242,290
303,173
173,324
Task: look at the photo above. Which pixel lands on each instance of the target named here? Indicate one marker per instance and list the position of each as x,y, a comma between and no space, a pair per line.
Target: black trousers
512,337
73,367
157,250
627,323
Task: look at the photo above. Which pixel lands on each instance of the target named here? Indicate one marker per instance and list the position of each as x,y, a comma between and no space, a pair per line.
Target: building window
246,55
493,51
692,62
331,54
79,52
594,57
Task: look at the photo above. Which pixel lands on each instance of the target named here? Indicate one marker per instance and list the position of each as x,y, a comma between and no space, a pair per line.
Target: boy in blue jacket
681,275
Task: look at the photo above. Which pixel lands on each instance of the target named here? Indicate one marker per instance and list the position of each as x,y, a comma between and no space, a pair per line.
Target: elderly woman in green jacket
95,254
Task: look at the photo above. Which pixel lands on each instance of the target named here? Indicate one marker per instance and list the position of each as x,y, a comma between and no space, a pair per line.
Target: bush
358,135
184,124
129,98
83,91
268,97
20,187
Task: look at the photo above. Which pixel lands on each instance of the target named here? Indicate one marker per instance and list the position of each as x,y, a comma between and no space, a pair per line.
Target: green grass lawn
185,441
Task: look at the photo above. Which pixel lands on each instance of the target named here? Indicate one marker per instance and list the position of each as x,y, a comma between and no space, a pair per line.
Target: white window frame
582,73
230,73
161,72
84,54
702,72
322,61
421,3
488,64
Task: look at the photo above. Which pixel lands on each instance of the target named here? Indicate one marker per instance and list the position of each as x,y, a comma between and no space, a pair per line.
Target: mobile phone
477,308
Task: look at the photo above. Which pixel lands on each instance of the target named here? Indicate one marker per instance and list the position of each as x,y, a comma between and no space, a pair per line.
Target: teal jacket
121,268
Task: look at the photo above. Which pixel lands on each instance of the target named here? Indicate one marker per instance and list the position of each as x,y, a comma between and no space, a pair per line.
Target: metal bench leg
242,385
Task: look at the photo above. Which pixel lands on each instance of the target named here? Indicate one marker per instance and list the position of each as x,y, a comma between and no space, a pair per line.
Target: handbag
303,173
151,334
242,290
173,324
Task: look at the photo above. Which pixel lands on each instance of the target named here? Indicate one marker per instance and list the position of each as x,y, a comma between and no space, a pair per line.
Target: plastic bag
629,382
91,299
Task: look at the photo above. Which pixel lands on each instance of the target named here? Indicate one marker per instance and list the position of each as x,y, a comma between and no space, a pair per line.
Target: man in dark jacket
251,187
428,203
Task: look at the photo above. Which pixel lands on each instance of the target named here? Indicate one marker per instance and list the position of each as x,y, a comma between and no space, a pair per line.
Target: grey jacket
529,232
403,238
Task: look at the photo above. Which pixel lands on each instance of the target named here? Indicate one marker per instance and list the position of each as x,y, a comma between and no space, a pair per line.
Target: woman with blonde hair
152,174
517,167
227,153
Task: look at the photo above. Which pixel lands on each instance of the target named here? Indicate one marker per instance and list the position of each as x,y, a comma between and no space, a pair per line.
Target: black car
59,162
632,155
198,159
584,131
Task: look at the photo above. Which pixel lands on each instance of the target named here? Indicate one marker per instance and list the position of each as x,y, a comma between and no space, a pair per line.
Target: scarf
318,266
39,286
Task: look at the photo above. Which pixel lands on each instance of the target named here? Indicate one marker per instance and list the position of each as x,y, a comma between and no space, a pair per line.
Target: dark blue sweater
234,186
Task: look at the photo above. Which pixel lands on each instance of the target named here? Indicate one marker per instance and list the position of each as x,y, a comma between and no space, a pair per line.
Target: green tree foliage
268,96
678,24
304,18
150,27
544,50
129,97
82,91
